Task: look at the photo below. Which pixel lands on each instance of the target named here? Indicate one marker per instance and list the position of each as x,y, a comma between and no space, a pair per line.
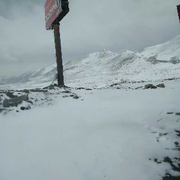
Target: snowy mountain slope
105,67
165,52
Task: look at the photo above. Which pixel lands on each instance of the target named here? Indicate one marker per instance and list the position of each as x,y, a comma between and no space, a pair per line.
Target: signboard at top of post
53,9
178,9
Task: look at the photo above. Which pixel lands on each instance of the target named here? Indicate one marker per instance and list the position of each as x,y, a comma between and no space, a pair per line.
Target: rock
157,161
170,79
177,114
66,91
30,102
177,133
76,97
79,88
161,85
25,108
38,90
10,95
1,110
26,91
176,143
15,101
140,87
170,113
149,86
163,134
22,108
115,84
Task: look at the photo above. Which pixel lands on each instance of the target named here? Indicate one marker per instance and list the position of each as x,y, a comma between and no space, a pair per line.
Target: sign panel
52,11
178,9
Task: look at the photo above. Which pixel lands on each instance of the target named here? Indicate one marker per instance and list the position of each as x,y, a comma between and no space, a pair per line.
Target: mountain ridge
103,67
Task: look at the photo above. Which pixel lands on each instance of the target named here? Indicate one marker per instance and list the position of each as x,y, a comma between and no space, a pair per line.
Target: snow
164,51
105,134
102,68
116,130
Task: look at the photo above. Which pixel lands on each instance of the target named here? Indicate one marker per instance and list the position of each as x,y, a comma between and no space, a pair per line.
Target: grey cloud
6,6
90,26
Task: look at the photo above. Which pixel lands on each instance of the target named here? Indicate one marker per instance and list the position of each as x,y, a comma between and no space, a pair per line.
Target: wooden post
60,76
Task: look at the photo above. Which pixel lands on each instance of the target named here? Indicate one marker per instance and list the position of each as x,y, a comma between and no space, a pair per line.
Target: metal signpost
178,9
55,10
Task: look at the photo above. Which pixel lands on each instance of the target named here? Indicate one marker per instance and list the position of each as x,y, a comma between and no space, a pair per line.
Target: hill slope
105,67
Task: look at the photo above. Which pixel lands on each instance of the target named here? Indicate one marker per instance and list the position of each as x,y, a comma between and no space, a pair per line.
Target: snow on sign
55,10
178,9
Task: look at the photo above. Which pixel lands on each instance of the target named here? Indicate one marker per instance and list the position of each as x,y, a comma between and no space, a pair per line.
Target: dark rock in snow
10,95
15,101
1,110
79,88
157,161
66,91
30,102
76,97
170,113
140,87
177,132
149,86
26,91
176,143
65,96
82,88
177,114
22,108
25,108
161,85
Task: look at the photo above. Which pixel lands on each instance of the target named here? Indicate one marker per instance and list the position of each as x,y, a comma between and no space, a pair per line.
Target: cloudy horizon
115,25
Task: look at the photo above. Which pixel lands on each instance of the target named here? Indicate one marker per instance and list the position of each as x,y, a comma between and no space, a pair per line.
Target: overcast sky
91,25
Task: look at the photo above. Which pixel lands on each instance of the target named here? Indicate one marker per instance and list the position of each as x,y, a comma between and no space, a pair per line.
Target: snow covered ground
106,133
117,130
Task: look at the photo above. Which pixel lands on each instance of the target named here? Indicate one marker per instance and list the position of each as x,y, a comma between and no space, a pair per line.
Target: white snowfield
119,132
108,134
104,67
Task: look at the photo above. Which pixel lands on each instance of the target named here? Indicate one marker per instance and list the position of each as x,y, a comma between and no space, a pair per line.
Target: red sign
178,9
52,11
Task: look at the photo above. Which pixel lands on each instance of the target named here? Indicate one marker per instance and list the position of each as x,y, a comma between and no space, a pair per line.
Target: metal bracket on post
59,60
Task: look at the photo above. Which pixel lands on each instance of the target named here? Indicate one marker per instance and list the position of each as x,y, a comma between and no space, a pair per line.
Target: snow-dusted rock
15,101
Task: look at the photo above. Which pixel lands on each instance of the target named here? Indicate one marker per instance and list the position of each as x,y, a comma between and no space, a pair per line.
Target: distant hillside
105,67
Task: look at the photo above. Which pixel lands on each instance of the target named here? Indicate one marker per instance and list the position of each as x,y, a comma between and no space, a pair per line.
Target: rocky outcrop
15,101
149,86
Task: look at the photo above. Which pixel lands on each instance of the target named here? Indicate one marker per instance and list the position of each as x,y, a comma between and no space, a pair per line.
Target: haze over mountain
105,67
